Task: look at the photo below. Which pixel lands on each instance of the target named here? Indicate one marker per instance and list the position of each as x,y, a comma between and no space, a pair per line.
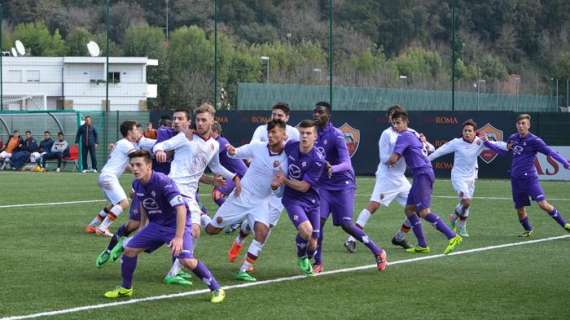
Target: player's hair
393,109
60,133
185,111
307,124
282,106
127,126
47,131
401,114
141,154
217,127
324,104
276,123
165,122
205,107
28,131
470,122
87,117
523,116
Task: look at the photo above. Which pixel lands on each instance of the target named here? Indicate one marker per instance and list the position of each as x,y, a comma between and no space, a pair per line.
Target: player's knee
130,252
261,231
190,263
424,212
466,203
305,230
210,229
124,204
544,205
132,225
373,206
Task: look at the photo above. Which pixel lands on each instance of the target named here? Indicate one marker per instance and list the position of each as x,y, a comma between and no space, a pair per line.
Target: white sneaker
84,171
94,170
103,232
57,170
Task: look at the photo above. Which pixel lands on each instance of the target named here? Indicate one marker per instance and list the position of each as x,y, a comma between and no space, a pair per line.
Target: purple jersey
236,166
524,150
306,167
332,146
409,146
159,198
162,134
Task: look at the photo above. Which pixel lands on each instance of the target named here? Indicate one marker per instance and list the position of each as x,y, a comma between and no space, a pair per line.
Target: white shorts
194,208
112,189
236,210
275,209
35,156
464,187
385,192
5,155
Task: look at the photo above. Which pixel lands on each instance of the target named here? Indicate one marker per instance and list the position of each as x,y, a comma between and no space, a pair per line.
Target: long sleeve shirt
87,135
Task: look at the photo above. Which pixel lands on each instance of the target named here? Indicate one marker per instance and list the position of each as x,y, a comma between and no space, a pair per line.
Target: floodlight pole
215,54
331,52
107,25
453,57
167,26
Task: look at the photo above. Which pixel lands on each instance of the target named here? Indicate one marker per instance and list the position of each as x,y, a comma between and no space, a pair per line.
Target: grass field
48,263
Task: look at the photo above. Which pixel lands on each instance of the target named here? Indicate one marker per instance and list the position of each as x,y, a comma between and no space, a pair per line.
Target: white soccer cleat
103,232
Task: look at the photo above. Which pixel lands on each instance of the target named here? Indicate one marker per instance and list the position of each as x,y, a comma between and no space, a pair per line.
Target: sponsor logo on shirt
294,171
351,137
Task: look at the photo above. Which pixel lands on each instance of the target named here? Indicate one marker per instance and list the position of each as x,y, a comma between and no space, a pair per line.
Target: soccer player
109,180
465,151
409,146
168,223
524,146
391,184
337,186
301,194
279,111
252,204
193,152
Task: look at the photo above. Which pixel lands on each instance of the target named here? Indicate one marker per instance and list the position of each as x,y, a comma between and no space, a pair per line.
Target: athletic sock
301,246
418,230
557,217
361,236
202,272
363,218
175,268
115,212
525,223
434,219
128,266
253,253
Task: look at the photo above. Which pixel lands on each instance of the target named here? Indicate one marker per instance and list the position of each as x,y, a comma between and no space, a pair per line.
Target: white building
76,83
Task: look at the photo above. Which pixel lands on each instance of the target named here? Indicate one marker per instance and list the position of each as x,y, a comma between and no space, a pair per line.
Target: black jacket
87,135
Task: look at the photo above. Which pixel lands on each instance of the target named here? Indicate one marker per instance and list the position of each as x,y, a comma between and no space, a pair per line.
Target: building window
114,77
14,76
33,75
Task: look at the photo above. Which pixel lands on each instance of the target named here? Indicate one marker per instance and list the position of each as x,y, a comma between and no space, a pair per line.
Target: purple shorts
300,212
526,188
135,210
338,202
420,193
154,235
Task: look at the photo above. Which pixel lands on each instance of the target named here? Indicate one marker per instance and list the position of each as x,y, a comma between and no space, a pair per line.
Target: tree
38,40
77,42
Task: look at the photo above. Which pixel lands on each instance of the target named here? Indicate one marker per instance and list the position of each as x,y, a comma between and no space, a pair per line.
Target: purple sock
206,276
524,222
361,236
115,239
128,266
319,252
418,230
440,225
301,246
558,217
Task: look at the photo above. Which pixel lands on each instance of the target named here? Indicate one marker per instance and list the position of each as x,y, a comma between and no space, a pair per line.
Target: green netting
256,96
38,122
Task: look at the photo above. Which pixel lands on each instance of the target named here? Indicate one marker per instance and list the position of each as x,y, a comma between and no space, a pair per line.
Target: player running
168,223
524,146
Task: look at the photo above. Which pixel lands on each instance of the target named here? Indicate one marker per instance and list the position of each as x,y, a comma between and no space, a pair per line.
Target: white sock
175,269
239,240
98,218
363,217
115,212
205,220
459,209
254,250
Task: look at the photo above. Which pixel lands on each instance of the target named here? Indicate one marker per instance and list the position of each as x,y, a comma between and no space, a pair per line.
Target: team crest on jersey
351,137
276,163
493,134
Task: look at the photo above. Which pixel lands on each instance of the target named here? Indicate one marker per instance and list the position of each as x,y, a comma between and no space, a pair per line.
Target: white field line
283,279
207,195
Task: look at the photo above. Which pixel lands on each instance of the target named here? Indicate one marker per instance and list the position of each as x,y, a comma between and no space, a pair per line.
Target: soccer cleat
90,229
244,276
567,227
177,280
234,251
102,258
119,292
382,261
218,296
402,243
350,245
463,232
317,268
305,266
103,232
117,250
418,249
232,228
184,275
452,244
529,233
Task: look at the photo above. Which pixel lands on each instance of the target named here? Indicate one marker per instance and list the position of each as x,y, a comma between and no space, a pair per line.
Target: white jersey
260,134
191,157
465,164
256,183
386,148
119,158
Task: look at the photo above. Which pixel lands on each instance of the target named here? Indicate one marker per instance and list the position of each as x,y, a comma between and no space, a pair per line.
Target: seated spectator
150,132
45,147
14,143
59,150
20,157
